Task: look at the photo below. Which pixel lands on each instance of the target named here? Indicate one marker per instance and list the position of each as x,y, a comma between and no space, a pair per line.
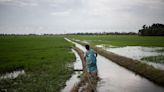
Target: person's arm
85,56
95,53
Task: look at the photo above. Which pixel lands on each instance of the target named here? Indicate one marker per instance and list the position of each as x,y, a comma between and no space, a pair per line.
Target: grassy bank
122,40
142,69
156,59
44,59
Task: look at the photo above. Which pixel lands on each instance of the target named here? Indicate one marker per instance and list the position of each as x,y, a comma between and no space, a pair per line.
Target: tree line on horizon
156,29
104,33
80,33
153,30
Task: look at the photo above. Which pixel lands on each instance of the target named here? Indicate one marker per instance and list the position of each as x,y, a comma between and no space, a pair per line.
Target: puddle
12,75
75,76
105,45
78,62
115,78
71,82
138,52
155,65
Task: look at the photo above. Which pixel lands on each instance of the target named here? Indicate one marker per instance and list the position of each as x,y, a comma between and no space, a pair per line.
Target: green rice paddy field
122,40
44,59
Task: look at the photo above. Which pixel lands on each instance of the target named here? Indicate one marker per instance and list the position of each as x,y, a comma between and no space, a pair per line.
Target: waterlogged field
144,48
44,60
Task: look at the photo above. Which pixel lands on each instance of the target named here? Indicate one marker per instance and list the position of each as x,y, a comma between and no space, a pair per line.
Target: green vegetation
44,59
122,40
157,59
153,30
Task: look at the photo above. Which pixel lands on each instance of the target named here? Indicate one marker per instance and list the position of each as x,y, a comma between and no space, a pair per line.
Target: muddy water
138,52
155,65
78,63
75,76
115,78
71,82
118,79
12,75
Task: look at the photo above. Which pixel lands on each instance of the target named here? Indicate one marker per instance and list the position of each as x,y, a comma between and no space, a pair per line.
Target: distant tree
153,30
105,33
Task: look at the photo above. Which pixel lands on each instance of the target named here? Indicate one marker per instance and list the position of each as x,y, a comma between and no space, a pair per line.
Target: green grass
122,40
44,59
156,59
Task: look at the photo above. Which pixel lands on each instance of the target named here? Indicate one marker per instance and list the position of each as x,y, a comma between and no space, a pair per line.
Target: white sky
59,16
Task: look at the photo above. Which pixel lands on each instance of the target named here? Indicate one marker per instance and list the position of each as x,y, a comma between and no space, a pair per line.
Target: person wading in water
91,62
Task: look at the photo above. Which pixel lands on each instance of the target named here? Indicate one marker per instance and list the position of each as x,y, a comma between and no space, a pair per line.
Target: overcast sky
59,16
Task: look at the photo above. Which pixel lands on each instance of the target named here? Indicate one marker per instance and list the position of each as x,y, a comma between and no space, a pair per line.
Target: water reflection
119,79
71,82
75,76
78,62
138,52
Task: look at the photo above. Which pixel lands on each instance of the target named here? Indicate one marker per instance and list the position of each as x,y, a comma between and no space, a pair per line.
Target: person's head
87,47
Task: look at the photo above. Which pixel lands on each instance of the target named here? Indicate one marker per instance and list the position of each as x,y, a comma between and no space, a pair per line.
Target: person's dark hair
87,47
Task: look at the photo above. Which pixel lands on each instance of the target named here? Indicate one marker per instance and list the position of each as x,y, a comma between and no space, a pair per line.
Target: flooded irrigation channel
75,76
115,78
137,53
